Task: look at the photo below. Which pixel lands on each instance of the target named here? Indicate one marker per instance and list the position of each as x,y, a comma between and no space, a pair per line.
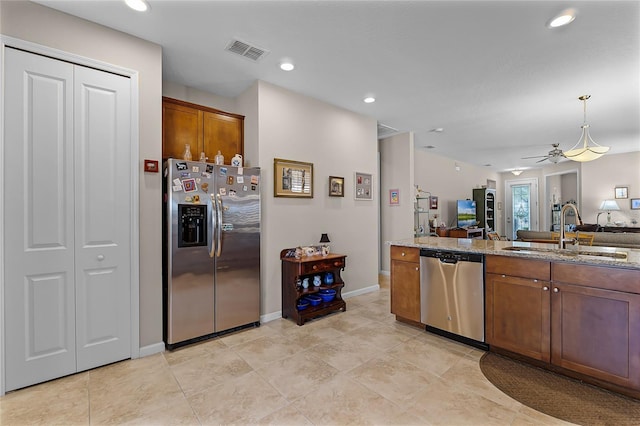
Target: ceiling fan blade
544,159
537,156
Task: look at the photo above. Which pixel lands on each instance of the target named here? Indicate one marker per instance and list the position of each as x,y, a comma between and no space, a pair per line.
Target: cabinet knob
417,268
336,263
545,288
315,266
535,281
503,275
556,289
402,253
100,257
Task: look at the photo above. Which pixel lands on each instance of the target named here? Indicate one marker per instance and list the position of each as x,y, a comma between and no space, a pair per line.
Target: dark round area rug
559,396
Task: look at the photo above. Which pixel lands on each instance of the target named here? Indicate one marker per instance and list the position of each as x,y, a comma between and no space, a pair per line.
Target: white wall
396,172
596,182
600,177
38,24
338,143
439,176
189,94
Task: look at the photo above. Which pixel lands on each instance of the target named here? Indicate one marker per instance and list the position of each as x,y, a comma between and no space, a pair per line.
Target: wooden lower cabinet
596,331
405,282
584,320
518,315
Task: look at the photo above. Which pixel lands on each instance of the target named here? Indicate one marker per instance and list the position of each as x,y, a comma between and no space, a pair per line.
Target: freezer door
189,298
237,283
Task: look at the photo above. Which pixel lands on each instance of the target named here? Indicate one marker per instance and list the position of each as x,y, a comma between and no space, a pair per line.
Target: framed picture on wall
635,204
621,192
336,186
363,186
433,202
394,197
292,178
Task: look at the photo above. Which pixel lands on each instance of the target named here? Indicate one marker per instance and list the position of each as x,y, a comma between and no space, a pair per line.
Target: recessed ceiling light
563,18
287,66
437,130
369,100
139,5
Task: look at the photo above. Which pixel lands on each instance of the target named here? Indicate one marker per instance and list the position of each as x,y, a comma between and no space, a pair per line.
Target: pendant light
586,149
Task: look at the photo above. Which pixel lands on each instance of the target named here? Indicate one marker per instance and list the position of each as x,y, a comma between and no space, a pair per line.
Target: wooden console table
296,270
477,233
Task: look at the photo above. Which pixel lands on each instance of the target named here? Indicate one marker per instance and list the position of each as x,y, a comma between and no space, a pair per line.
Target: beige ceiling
500,84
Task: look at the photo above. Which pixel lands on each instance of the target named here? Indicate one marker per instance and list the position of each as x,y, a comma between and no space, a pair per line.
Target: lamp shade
324,238
609,205
586,149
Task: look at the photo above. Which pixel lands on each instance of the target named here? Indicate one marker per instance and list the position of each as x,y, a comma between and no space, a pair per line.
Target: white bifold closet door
67,201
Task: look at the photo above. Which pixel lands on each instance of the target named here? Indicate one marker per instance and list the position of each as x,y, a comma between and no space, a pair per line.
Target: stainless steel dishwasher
452,294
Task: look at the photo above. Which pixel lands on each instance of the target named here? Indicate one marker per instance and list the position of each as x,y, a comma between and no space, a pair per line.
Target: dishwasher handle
448,260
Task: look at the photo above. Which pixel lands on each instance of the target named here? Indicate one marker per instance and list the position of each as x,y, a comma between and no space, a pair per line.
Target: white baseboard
361,291
155,348
270,317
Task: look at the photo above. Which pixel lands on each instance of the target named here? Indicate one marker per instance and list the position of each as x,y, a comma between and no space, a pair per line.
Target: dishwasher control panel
452,256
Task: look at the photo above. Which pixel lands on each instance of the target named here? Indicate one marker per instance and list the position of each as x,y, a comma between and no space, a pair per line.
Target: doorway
560,188
521,206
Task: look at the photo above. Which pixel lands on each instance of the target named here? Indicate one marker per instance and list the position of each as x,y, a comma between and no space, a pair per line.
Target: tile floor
356,367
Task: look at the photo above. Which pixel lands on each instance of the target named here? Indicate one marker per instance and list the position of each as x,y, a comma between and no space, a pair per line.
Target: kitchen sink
613,255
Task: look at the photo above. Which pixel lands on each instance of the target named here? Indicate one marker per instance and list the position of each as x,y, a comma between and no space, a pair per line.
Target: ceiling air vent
384,131
246,50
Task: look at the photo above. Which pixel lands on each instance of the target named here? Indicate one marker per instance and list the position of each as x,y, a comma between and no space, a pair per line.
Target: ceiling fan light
554,159
516,172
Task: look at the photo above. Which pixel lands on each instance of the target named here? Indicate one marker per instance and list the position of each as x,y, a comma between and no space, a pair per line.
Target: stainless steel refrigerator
211,259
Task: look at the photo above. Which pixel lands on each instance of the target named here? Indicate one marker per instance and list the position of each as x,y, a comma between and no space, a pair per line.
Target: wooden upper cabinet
205,129
224,133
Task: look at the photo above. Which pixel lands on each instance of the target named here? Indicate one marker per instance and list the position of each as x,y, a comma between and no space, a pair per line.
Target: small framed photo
433,202
394,197
621,192
635,204
363,186
336,186
292,178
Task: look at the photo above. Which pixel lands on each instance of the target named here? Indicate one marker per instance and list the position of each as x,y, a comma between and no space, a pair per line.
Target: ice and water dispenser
192,225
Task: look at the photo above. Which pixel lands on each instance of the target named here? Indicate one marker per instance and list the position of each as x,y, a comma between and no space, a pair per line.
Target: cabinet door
222,133
405,289
181,125
595,332
517,315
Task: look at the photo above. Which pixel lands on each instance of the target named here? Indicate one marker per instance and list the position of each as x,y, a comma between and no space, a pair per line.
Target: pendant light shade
586,149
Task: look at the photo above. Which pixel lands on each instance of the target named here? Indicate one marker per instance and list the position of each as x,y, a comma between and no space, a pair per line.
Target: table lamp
324,240
608,206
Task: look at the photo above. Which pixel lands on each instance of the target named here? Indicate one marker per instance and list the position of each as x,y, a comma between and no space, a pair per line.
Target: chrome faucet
563,239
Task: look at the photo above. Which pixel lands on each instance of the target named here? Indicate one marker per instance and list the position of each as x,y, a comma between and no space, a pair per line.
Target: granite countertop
603,256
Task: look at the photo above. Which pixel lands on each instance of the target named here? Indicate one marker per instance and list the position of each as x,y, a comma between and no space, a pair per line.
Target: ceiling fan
554,155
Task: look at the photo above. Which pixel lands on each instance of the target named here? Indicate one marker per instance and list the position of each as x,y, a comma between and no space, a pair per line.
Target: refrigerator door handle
213,227
219,217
